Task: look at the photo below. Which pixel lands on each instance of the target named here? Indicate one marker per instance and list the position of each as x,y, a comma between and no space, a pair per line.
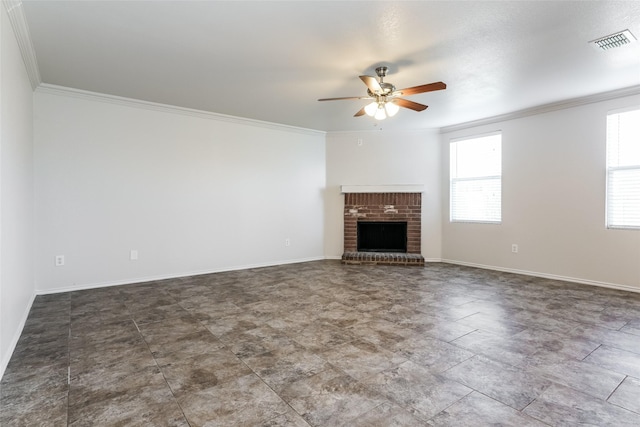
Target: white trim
16,15
16,336
171,276
15,12
14,342
476,136
366,132
394,188
547,276
546,108
624,109
155,106
329,257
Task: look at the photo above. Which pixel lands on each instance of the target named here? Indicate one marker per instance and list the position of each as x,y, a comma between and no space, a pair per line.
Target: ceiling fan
387,100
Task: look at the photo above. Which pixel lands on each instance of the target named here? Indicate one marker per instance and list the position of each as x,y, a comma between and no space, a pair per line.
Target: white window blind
476,179
623,169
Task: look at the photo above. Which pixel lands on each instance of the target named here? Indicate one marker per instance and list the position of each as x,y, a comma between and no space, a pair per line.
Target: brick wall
383,207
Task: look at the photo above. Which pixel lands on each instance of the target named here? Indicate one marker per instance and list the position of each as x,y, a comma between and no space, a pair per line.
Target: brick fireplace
382,207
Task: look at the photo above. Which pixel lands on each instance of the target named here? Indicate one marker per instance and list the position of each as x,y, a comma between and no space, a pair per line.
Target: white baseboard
7,356
133,280
547,276
16,336
330,257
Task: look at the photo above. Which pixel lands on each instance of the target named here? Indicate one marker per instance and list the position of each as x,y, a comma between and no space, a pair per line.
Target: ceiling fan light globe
391,109
380,113
371,109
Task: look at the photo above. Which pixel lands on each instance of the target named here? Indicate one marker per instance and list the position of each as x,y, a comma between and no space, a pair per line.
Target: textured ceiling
271,61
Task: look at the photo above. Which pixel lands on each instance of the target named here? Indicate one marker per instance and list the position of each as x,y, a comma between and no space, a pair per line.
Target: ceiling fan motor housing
387,88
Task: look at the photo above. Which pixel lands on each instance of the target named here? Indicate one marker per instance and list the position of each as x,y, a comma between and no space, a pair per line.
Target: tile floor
324,344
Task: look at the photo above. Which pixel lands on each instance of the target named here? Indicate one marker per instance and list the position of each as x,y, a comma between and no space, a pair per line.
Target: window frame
611,170
477,178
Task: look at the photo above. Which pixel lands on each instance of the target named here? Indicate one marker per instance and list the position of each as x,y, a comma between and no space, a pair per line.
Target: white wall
192,193
384,158
553,202
16,192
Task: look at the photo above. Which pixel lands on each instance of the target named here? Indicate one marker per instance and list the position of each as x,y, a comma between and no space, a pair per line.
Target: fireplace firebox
385,236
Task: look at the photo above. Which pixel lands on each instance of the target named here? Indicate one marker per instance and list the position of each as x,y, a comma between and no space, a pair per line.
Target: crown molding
349,133
18,21
154,106
570,103
546,108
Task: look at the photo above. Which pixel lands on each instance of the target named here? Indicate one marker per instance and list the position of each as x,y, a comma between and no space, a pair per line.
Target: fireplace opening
383,236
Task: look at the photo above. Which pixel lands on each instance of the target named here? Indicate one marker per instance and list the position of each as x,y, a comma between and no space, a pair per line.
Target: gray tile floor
324,344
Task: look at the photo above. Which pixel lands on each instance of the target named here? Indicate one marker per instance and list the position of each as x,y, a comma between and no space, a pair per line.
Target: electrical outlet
59,260
359,142
514,248
287,242
133,255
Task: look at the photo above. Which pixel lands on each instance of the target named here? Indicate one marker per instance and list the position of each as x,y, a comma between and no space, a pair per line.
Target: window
623,169
476,179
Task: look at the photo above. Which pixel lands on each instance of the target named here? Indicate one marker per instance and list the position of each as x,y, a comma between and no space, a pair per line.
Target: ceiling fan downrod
382,72
386,88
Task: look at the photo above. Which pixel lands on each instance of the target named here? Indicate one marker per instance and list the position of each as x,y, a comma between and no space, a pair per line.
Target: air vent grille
613,40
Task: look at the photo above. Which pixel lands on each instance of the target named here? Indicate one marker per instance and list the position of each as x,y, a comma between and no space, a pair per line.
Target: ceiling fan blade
421,89
346,97
372,83
410,104
359,113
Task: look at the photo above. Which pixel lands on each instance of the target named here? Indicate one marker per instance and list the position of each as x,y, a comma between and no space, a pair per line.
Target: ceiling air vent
613,40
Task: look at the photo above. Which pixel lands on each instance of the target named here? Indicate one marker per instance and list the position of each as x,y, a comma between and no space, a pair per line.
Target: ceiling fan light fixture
391,109
371,109
380,113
